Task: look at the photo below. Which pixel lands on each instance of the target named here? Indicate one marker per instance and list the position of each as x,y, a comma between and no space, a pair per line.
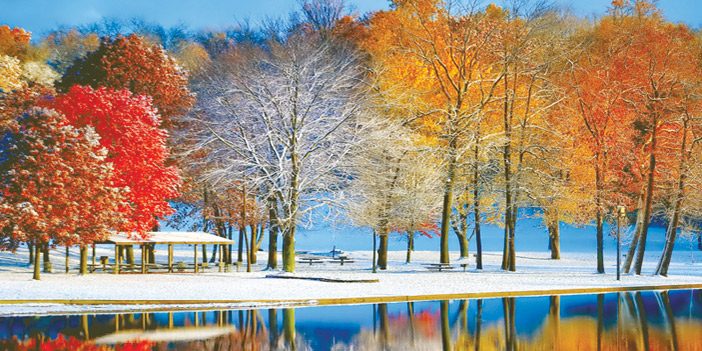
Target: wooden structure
164,238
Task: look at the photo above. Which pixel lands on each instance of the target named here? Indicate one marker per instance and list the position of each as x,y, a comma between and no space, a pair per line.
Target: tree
129,63
685,131
279,120
65,46
128,127
661,58
10,73
57,185
14,42
443,56
394,184
596,82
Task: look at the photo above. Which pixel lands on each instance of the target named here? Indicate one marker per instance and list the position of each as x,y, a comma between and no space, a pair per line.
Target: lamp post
621,212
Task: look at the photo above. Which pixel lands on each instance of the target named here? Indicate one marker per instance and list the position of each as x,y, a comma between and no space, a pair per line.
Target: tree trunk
508,307
637,235
47,259
384,326
507,163
36,262
273,328
648,200
643,321
410,246
478,238
213,256
289,323
600,242
252,244
68,264
512,252
248,252
83,260
130,254
507,249
447,205
476,212
289,251
240,257
599,184
445,326
272,234
600,320
30,247
554,238
461,230
383,248
478,323
672,232
230,247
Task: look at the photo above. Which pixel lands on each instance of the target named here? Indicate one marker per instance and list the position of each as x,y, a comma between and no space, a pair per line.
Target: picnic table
310,260
438,266
341,259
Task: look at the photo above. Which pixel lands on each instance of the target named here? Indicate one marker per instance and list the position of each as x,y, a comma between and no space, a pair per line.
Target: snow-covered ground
536,272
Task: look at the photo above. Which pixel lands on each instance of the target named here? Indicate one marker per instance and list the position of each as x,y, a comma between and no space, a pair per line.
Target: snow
536,273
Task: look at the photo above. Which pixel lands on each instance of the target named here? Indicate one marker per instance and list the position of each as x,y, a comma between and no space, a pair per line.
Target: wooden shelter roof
168,238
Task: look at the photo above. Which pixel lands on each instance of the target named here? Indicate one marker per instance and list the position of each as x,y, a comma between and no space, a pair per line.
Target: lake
646,320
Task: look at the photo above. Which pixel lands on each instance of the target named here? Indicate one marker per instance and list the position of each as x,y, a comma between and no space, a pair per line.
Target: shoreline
536,275
59,307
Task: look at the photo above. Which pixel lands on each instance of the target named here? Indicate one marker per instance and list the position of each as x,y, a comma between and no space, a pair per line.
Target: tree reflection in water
622,321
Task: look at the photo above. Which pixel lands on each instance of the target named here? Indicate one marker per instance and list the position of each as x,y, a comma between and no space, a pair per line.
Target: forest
431,118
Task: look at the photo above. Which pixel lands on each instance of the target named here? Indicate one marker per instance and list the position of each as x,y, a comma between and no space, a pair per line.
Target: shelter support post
117,260
143,260
170,258
221,251
195,245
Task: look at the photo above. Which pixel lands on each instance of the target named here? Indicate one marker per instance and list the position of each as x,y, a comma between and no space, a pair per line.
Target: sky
41,16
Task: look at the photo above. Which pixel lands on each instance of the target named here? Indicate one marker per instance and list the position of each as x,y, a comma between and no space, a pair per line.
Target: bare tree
280,119
396,183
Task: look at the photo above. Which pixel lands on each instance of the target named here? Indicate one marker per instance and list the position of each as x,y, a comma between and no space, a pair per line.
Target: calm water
665,320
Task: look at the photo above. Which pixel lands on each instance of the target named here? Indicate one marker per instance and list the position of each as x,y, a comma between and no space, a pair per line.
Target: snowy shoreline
536,272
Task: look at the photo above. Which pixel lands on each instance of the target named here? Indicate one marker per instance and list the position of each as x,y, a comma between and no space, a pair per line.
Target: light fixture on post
621,213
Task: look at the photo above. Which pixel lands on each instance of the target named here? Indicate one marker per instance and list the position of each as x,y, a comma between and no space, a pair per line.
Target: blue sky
40,16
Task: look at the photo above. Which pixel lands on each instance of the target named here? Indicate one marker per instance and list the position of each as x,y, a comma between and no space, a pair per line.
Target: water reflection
618,321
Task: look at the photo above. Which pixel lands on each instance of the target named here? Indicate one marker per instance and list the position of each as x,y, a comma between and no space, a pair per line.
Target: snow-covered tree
396,184
56,185
281,120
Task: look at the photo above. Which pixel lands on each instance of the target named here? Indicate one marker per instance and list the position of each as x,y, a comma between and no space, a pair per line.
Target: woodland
431,118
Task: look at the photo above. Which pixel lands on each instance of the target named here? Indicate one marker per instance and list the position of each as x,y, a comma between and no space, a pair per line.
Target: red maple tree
56,184
128,126
130,63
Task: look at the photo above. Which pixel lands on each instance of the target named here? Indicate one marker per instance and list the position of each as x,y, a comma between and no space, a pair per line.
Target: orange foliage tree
14,42
437,64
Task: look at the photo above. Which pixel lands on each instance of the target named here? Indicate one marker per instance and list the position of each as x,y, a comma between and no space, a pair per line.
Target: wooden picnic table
310,260
438,266
341,260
